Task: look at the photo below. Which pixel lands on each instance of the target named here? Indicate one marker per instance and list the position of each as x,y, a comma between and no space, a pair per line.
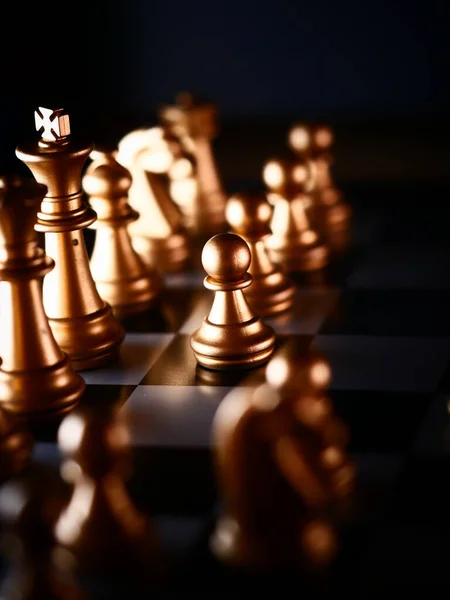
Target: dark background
377,71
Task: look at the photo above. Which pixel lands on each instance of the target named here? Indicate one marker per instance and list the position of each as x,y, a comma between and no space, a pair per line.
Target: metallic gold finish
121,277
16,445
82,322
36,378
195,124
330,211
158,235
282,441
294,244
100,529
231,336
28,506
271,291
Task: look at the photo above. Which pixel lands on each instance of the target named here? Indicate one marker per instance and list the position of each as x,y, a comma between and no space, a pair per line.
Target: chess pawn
330,211
121,277
37,378
158,235
82,322
28,505
282,469
271,291
231,336
100,531
194,124
16,446
294,244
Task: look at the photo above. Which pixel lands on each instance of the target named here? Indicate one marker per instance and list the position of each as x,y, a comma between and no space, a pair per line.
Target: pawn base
296,256
237,346
270,295
169,254
91,341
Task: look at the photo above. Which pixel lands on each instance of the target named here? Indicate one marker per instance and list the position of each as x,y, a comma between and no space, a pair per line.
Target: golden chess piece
158,235
16,445
28,505
271,291
331,213
37,378
231,336
82,322
100,530
121,276
294,243
283,473
196,183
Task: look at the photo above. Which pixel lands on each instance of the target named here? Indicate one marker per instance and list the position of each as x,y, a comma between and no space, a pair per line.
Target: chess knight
284,475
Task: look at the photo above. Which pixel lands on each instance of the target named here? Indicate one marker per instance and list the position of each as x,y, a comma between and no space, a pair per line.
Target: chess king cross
51,124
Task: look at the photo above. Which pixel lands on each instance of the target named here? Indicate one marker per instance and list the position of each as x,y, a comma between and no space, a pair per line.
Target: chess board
380,315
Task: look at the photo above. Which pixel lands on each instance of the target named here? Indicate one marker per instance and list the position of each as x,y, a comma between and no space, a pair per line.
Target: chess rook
271,291
37,378
158,235
194,124
231,336
82,322
294,243
121,276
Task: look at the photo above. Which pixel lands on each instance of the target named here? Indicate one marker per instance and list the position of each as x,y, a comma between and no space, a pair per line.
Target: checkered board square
379,314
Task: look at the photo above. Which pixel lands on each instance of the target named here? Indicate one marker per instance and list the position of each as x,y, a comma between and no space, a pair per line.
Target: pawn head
226,257
289,177
105,177
323,137
308,138
249,213
300,138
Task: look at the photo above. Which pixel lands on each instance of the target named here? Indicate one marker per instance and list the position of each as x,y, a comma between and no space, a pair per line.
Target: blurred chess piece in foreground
100,531
294,244
122,278
28,506
16,445
330,212
196,185
284,475
158,235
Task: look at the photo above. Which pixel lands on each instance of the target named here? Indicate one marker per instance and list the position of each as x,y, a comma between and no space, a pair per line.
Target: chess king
82,322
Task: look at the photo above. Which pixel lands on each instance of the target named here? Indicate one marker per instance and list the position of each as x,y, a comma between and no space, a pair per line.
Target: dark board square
174,306
399,312
381,422
444,383
422,493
